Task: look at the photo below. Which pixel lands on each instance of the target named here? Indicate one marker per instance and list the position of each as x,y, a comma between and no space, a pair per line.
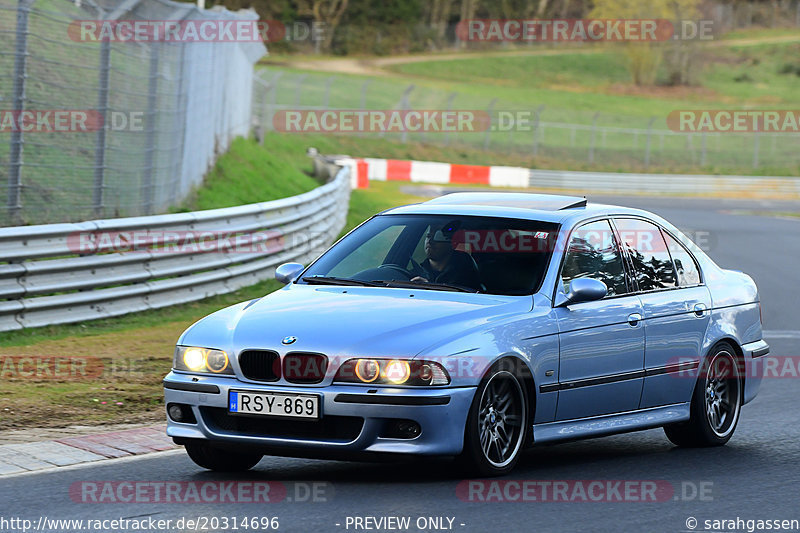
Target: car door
601,357
677,308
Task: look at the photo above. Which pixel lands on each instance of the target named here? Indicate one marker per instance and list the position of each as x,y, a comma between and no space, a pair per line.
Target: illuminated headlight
392,372
193,359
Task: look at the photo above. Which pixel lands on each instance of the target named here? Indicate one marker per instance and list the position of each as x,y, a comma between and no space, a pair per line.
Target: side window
685,264
593,253
646,247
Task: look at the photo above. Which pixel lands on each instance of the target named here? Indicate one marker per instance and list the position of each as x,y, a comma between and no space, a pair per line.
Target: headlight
193,359
392,372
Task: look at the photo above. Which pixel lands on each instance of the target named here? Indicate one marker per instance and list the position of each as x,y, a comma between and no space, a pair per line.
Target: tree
644,58
327,12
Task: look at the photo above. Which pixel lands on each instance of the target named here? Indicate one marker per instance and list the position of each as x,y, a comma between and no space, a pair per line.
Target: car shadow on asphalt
634,456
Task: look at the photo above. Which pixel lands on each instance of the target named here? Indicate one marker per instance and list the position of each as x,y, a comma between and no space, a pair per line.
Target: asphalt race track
755,477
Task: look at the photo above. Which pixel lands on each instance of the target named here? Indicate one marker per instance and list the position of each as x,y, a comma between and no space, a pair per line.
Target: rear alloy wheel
716,403
219,460
496,424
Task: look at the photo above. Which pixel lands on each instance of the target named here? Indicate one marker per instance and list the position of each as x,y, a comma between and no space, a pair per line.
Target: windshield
441,252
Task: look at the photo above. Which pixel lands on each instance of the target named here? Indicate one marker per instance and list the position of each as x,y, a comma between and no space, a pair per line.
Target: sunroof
546,202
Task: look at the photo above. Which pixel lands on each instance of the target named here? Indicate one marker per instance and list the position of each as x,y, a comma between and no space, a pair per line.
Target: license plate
274,404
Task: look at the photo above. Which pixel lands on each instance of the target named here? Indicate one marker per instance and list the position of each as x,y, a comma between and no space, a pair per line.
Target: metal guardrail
709,185
47,277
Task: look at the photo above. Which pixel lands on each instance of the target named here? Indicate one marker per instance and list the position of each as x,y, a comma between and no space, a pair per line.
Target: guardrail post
488,133
152,131
647,143
100,145
17,138
594,134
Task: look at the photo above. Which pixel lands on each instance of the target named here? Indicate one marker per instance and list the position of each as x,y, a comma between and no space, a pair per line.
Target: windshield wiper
330,280
427,285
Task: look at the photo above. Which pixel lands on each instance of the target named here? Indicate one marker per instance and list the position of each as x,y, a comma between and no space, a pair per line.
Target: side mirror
583,290
288,272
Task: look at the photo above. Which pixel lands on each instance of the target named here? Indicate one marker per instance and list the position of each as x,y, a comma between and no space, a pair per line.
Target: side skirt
599,426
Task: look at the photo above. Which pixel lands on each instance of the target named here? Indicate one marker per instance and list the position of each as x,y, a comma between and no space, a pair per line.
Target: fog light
175,412
402,429
397,372
180,412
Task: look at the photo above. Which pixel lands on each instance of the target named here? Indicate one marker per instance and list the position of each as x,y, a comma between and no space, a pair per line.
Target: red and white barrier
366,169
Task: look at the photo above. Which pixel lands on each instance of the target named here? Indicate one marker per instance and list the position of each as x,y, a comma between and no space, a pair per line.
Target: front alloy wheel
716,402
496,424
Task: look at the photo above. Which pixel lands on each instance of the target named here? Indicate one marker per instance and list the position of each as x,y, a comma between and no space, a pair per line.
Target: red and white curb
365,169
32,456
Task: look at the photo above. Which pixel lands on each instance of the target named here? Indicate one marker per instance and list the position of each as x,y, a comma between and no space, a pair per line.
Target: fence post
537,118
756,142
364,94
298,88
152,101
100,146
703,149
270,107
17,139
449,108
647,143
594,134
489,129
328,82
404,105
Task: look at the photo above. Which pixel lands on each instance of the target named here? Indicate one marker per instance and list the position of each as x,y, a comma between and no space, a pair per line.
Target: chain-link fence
594,139
96,127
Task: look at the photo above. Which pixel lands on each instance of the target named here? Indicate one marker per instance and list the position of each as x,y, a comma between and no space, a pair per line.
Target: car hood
351,321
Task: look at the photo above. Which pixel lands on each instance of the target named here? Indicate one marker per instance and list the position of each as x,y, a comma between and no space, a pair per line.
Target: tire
496,424
219,460
716,402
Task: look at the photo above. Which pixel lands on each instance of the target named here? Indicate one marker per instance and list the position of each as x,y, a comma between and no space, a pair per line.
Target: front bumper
440,412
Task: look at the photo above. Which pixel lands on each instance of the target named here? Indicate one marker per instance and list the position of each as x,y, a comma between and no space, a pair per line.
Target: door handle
634,319
699,310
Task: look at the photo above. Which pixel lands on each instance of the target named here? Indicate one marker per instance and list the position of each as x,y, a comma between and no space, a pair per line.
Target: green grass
250,173
575,87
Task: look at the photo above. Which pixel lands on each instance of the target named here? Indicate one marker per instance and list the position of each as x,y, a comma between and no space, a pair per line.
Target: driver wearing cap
445,264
